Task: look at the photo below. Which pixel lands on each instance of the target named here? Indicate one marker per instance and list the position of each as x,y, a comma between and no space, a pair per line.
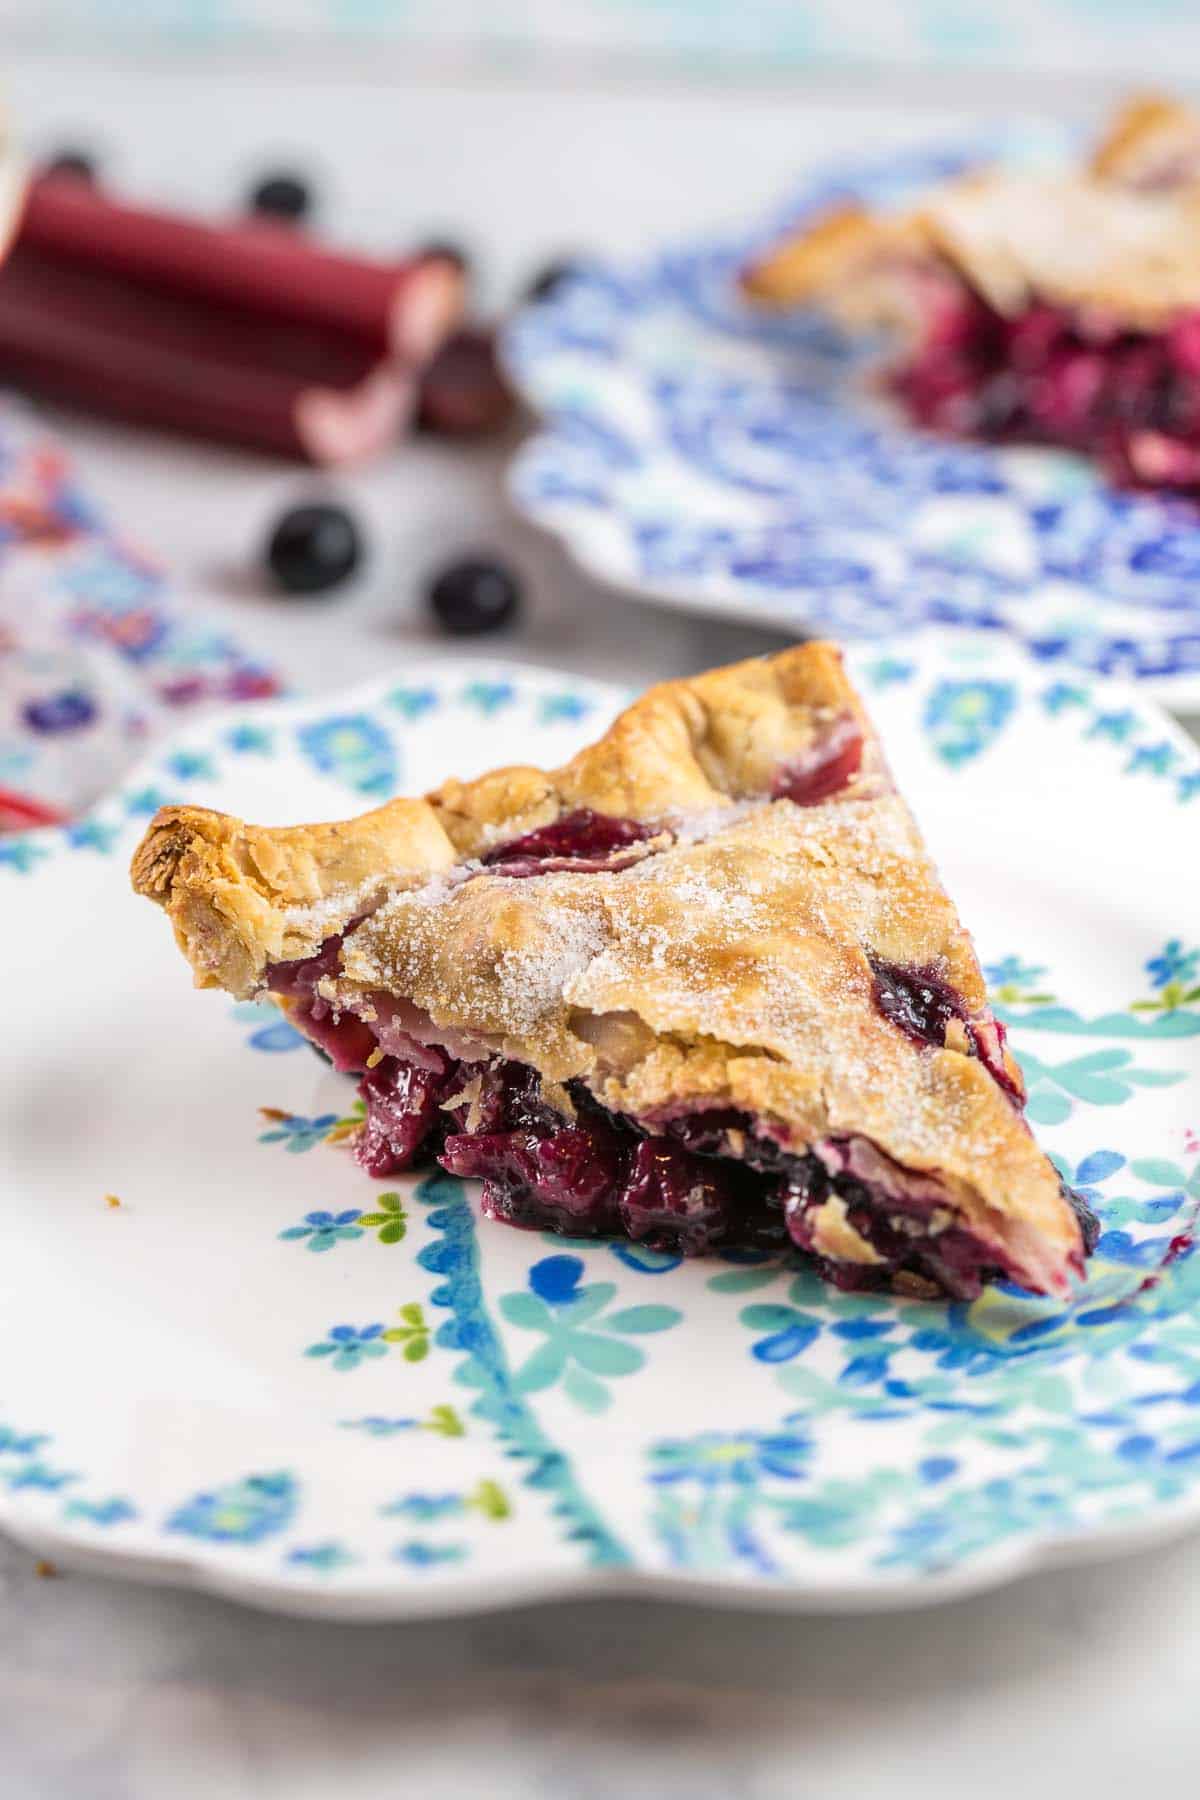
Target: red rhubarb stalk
402,308
87,338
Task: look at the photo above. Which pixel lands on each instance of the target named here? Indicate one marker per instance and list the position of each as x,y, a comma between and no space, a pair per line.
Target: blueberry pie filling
553,1158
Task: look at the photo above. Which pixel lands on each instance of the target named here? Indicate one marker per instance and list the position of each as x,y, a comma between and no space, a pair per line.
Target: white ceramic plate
266,1374
700,455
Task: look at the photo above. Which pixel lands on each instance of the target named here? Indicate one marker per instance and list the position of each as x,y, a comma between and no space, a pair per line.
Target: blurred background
518,138
756,38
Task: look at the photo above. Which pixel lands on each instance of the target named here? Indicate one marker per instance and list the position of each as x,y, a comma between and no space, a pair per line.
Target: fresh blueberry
474,595
79,163
313,547
282,196
550,279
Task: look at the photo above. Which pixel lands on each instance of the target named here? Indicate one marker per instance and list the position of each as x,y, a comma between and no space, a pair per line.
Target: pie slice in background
1058,308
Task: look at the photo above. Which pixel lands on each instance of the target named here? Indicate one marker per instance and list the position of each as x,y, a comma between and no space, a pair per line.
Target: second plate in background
702,456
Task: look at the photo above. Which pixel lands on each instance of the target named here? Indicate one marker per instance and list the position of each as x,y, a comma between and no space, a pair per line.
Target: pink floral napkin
96,651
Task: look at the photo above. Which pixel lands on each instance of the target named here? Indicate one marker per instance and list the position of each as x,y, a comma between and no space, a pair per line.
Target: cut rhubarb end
12,196
339,429
425,310
463,391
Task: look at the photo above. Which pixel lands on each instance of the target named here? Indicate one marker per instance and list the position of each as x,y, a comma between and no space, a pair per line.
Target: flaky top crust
1119,236
728,966
242,896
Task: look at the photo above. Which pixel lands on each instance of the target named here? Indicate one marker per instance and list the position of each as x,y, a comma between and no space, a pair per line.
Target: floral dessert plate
229,1357
701,454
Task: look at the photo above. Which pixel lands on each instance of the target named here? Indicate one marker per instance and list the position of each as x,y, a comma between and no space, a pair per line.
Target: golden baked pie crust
729,965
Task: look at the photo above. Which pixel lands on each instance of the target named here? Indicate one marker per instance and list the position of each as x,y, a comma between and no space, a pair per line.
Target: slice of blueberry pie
700,986
1057,308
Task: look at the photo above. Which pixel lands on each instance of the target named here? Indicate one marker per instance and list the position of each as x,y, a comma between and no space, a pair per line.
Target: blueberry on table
71,162
550,279
282,196
474,595
313,548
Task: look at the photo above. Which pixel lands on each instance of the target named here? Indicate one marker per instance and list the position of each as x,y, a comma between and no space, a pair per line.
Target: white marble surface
1085,1681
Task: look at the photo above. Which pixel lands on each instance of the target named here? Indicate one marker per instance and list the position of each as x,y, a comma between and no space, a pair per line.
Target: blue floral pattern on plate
700,454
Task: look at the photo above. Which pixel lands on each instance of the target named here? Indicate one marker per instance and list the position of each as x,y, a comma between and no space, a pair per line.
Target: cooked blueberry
672,1200
917,1001
403,1103
1049,376
549,279
475,595
282,196
71,162
313,547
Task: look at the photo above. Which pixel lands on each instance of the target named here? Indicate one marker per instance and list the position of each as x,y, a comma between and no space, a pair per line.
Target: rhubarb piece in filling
824,770
584,840
700,987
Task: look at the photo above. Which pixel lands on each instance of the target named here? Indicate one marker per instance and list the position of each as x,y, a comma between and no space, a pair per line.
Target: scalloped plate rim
380,1603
